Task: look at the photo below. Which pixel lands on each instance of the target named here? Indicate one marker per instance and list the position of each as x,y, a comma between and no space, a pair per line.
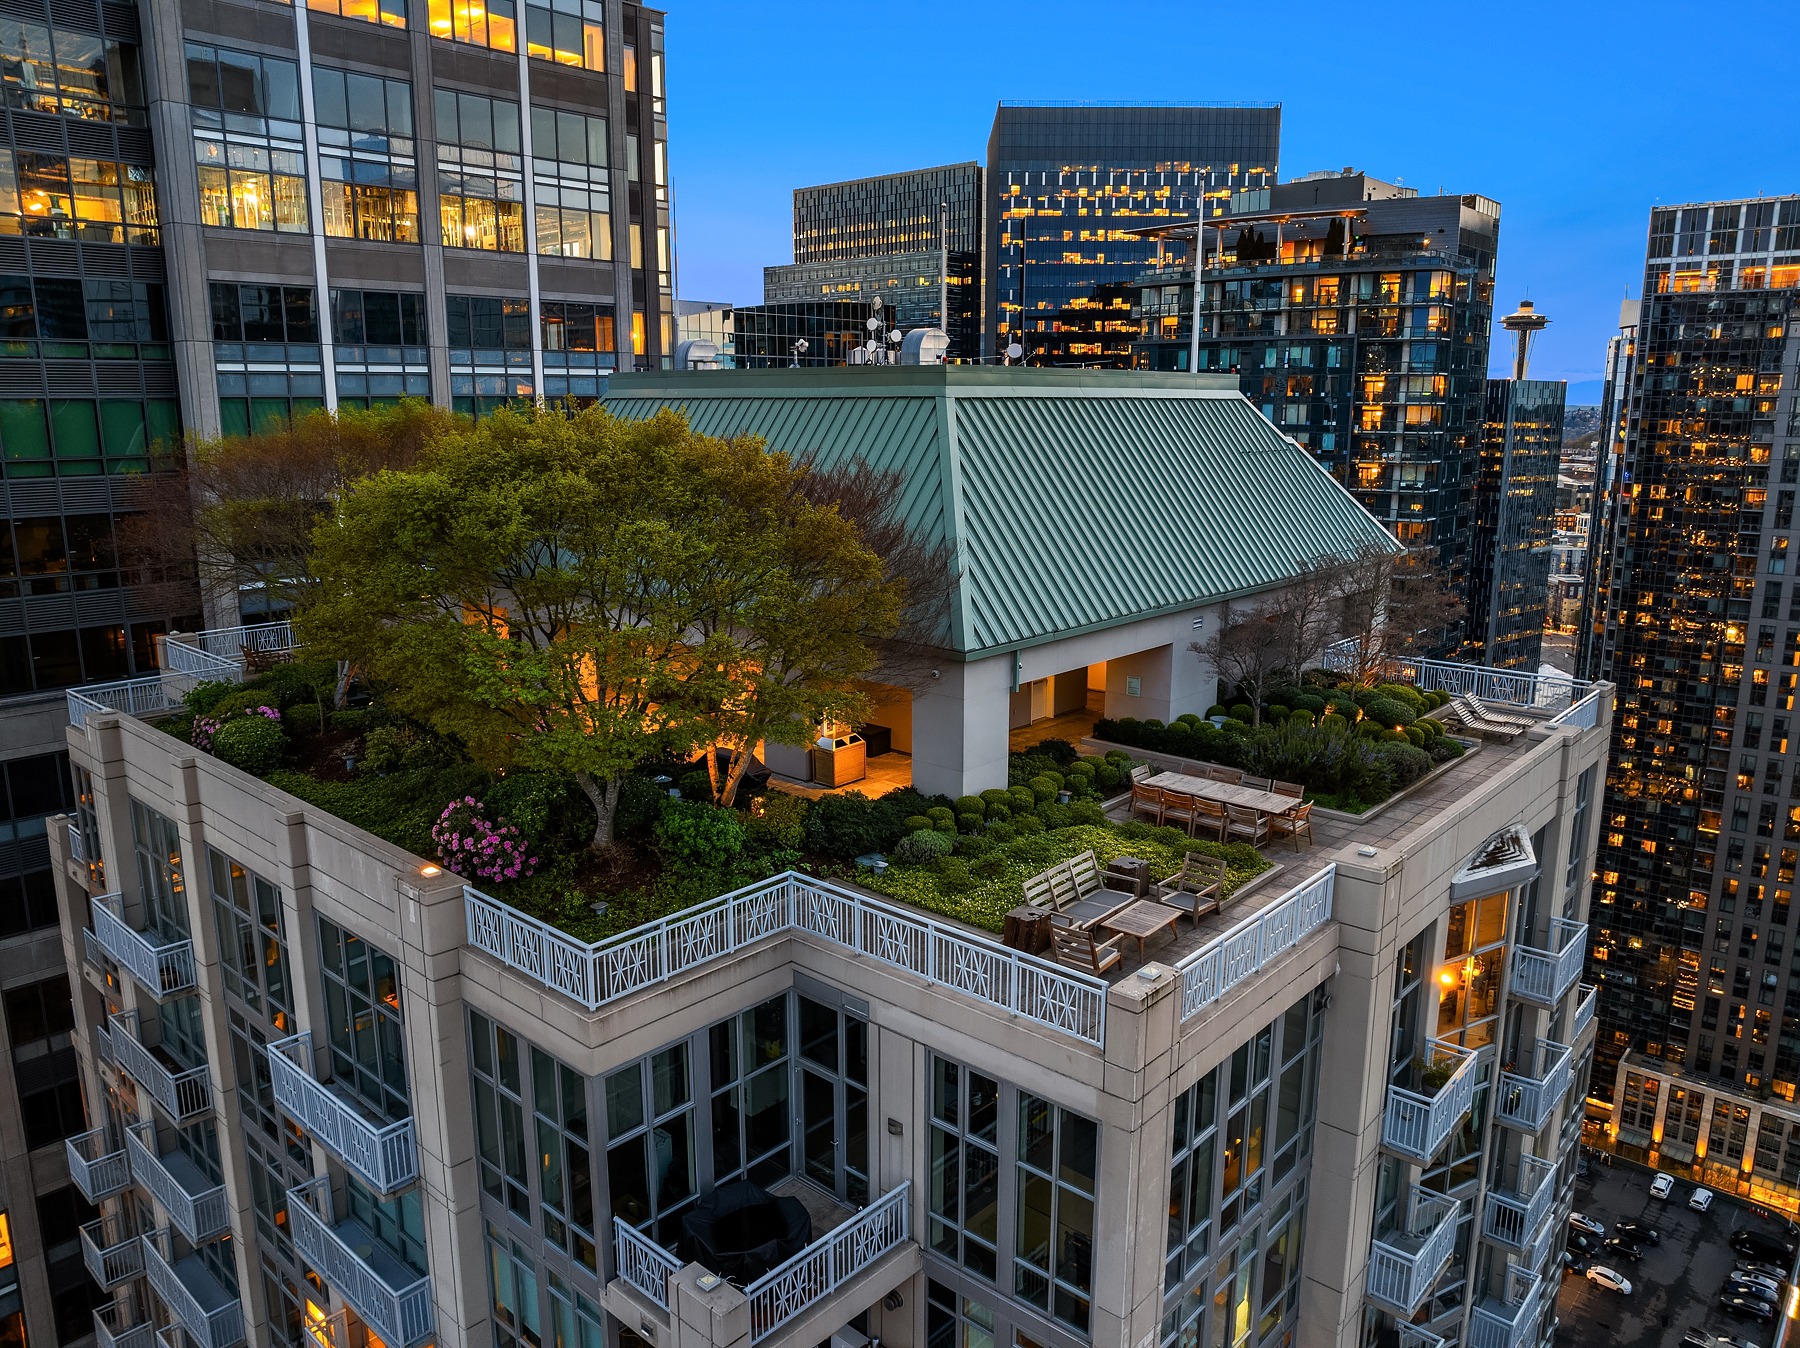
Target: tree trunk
342,692
712,774
604,796
734,776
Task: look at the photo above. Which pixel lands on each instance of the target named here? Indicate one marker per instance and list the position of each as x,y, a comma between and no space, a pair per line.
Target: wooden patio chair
1197,888
1293,824
1141,772
1179,811
1209,819
1243,822
1291,789
1147,802
1257,783
1230,776
1076,947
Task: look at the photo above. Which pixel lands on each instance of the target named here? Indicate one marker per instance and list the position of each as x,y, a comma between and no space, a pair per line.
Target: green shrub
1001,833
1117,756
1438,698
1151,723
973,845
971,805
1044,788
1055,816
782,822
1414,736
1217,710
1370,728
237,701
254,743
953,875
698,835
1107,776
916,823
1300,717
1311,702
545,807
993,794
1332,721
844,826
1027,824
1243,711
302,719
968,822
1086,812
205,695
1278,712
352,720
1404,764
922,848
400,808
1443,749
394,748
640,801
1406,694
299,681
1023,802
1389,711
1061,752
1347,707
942,818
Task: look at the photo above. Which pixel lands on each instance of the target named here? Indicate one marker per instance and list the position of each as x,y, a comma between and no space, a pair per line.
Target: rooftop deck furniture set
1223,804
1080,905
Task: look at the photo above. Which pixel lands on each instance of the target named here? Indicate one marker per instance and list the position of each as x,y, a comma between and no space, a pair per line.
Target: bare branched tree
1250,646
1395,608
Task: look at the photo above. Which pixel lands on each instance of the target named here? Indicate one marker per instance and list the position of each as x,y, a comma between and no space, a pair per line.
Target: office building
1699,1051
1067,187
911,241
800,333
712,321
1605,495
1356,315
303,1045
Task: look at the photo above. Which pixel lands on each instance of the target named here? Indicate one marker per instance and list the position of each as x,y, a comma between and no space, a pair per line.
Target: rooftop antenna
1524,323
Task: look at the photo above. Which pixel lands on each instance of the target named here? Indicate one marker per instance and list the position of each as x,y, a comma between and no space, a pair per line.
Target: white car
1587,1224
1700,1200
1609,1278
1662,1186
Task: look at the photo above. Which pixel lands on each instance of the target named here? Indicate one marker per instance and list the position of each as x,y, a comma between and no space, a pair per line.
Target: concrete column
960,727
702,1318
1664,1089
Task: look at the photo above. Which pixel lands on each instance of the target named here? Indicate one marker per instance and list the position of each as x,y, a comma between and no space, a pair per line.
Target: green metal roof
1071,500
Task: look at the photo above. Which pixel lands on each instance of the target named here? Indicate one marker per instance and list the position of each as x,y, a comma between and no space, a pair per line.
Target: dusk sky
1577,117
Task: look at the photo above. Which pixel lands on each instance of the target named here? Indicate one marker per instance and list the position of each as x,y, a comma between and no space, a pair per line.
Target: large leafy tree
583,594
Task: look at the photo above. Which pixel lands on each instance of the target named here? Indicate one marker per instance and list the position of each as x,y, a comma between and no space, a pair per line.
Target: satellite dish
1014,351
872,324
871,345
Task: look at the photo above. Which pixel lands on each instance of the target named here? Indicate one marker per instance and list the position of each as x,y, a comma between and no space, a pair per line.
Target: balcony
1413,1336
1543,976
1404,1264
1585,1007
1508,1321
77,843
162,968
212,1316
1527,1099
853,1247
1415,1125
393,1301
111,1256
384,1158
197,1206
184,1095
1514,1216
1547,1242
98,1169
111,1329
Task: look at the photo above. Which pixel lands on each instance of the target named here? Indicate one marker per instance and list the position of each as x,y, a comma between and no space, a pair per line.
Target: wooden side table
1027,928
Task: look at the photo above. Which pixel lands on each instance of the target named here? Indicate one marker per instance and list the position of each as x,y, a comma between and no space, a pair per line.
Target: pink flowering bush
472,846
201,736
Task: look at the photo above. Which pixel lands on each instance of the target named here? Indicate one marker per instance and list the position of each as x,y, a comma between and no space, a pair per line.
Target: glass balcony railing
1508,1320
99,1169
184,1095
212,1316
1542,976
1585,1006
392,1299
113,1328
197,1207
1527,1099
385,1157
1404,1264
111,1256
1513,1216
161,968
1416,1123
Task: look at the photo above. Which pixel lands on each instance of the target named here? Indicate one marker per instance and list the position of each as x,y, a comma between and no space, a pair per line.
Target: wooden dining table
1223,793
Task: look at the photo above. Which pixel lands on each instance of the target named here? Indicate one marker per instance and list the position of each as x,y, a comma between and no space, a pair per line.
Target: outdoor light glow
1447,978
429,870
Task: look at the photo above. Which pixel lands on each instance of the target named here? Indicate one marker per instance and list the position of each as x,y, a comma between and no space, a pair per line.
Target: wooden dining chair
1230,776
1179,811
1292,789
1295,823
1209,819
1142,772
1250,825
1147,802
1077,948
1257,783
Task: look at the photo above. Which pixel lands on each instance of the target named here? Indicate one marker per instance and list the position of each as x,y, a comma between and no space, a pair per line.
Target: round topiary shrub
942,818
1217,710
993,794
1414,736
1023,802
1278,712
1044,787
1151,723
914,823
1243,711
1000,834
1389,711
1311,702
922,848
1107,777
970,805
1301,717
1346,707
998,810
1086,812
1333,722
1370,728
254,743
967,821
1027,824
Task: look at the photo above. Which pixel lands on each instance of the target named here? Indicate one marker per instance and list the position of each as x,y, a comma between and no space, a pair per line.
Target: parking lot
1676,1285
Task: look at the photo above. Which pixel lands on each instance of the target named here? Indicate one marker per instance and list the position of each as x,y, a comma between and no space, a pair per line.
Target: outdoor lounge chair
1076,891
1076,947
1470,702
1198,888
1452,713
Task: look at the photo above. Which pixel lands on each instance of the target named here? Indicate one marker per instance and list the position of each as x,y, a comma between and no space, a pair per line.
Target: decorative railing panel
1228,959
98,1169
161,969
112,1328
147,696
1584,712
1415,1125
828,1263
1585,1007
230,642
184,1096
77,843
1412,1336
1507,1322
1513,1217
1544,692
1527,1099
111,1256
1404,1265
216,1326
197,1214
195,663
1543,976
643,1263
384,1157
601,973
400,1315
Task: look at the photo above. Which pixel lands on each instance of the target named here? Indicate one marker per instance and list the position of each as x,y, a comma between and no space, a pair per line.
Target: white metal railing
788,1289
643,1263
191,661
1507,1322
1404,1265
1548,1235
216,1326
1416,1125
111,1256
1228,959
77,843
1520,688
103,1040
400,1315
598,974
229,642
161,969
1584,712
1527,1099
1513,1216
197,1215
1543,976
132,697
112,1330
215,655
1585,1007
1413,1336
185,1096
383,1157
98,1169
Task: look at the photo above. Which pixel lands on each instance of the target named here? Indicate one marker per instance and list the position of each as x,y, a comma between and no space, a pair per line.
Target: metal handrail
1515,687
1543,976
130,697
1227,960
1526,1099
220,1327
788,1289
401,1316
99,1169
185,1096
1404,1265
162,970
643,1263
385,1157
1416,1125
198,1216
110,1333
1513,1216
604,972
1585,1007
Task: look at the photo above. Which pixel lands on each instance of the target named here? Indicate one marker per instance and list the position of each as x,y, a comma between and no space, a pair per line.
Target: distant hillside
1580,426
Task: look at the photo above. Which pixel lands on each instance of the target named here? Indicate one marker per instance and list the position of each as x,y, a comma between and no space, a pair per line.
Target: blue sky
1577,117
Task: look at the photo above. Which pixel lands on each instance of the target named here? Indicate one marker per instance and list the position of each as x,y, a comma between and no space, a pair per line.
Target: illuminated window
246,111
491,24
369,178
569,32
60,71
570,188
392,13
481,195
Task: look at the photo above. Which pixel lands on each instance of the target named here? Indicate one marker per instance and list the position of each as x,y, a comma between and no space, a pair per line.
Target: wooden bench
1197,889
1075,890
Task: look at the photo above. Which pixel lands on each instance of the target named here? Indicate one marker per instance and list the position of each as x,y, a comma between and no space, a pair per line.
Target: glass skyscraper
1066,186
1515,519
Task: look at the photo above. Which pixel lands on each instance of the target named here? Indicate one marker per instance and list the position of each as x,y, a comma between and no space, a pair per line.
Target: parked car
1582,1222
1752,1285
1638,1232
1662,1186
1621,1249
1699,1338
1700,1200
1773,1271
1609,1278
1583,1244
1742,1307
1764,1249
